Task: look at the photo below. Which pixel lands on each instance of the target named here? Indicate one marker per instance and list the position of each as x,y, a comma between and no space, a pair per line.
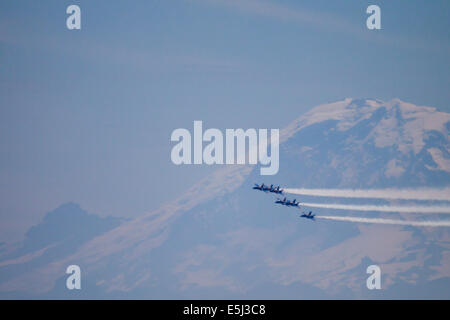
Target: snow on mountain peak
403,124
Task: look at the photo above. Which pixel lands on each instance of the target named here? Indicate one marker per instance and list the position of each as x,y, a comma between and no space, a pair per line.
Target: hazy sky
86,115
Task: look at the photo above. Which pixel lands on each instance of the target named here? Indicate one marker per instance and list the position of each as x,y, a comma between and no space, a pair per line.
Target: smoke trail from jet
380,208
388,221
405,194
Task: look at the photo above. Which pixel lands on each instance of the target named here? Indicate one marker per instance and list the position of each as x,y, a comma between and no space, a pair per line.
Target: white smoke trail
381,208
389,221
406,194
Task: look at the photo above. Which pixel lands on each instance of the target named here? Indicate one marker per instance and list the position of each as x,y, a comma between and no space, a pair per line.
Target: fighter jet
282,202
276,190
308,216
259,187
287,203
292,203
264,188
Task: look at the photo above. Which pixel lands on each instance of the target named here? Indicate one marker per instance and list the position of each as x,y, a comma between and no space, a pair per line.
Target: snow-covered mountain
221,239
389,144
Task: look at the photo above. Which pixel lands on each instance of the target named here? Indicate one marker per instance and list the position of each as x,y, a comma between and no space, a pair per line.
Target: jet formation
285,202
271,189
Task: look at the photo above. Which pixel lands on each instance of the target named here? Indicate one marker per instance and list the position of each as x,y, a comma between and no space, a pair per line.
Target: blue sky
86,116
